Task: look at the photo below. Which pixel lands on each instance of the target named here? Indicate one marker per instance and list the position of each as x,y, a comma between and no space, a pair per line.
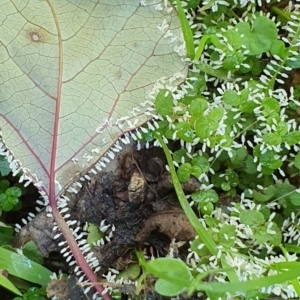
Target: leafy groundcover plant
22,272
236,121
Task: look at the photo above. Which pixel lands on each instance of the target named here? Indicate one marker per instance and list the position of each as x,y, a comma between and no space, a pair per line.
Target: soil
138,199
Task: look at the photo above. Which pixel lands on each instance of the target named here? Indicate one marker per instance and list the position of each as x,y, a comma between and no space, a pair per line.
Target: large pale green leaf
69,66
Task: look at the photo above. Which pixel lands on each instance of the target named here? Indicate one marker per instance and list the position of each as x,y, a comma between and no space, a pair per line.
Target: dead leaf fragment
165,184
136,188
172,223
40,231
58,288
66,289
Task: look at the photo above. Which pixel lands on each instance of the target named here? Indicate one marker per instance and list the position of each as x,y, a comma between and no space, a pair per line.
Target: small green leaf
233,179
205,196
233,61
233,38
196,171
174,278
184,172
278,48
238,156
270,105
265,27
282,128
231,98
34,293
295,63
295,199
227,235
268,160
198,107
216,114
250,165
164,103
260,197
226,140
14,192
94,234
272,139
6,205
3,199
202,127
260,38
225,186
201,162
257,67
292,138
131,272
268,233
4,184
203,251
179,154
12,200
184,132
247,107
206,208
192,3
251,217
5,202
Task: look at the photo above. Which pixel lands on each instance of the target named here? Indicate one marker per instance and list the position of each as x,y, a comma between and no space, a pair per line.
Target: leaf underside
66,67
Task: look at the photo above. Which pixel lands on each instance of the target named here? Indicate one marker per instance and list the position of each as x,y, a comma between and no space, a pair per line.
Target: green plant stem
200,276
201,46
291,248
284,14
187,31
245,286
201,231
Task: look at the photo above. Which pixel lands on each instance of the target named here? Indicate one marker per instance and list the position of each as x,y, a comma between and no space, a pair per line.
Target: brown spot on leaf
119,74
37,35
